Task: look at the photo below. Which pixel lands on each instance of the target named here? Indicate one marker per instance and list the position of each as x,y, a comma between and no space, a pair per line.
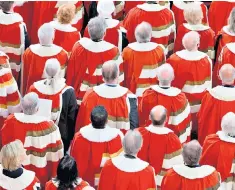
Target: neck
228,83
158,125
46,45
164,85
193,50
97,40
115,82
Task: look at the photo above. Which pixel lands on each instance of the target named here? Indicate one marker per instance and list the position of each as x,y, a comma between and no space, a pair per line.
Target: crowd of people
117,95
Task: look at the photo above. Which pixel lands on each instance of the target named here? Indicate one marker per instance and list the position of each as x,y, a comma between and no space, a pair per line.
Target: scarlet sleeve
25,70
171,181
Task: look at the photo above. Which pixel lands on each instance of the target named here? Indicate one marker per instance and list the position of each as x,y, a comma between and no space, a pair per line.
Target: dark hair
99,117
160,121
67,173
6,5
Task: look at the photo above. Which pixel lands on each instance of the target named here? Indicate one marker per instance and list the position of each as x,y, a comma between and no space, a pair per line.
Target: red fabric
130,5
50,185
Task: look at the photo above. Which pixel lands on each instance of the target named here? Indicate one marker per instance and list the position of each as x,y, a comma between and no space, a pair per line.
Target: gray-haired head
191,41
29,103
193,13
143,32
132,142
52,67
46,34
228,124
227,74
6,6
192,152
231,21
158,116
97,28
110,72
165,75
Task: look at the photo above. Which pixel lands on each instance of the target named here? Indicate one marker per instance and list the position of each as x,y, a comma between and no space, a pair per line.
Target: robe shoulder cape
168,153
179,117
95,146
216,103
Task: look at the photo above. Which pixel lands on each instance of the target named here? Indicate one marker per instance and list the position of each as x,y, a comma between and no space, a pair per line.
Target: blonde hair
12,155
193,14
66,13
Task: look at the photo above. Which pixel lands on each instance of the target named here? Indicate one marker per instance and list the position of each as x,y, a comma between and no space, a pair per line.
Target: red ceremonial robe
130,5
215,104
85,64
178,10
119,10
219,152
127,173
140,62
163,28
34,60
178,110
182,177
207,38
12,39
41,139
168,152
91,148
27,181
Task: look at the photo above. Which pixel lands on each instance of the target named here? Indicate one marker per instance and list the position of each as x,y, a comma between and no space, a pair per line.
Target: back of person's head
228,124
29,103
193,14
97,28
12,155
99,117
231,21
46,34
105,8
67,173
227,74
132,142
66,13
110,72
192,152
143,32
158,115
165,75
191,41
6,6
52,67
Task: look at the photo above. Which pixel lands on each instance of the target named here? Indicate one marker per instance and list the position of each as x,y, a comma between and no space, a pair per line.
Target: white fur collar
151,7
59,3
21,182
3,54
197,27
231,47
225,137
129,165
46,89
95,47
111,22
100,135
4,71
193,173
158,130
8,19
63,27
106,91
182,5
191,55
172,91
45,51
56,182
223,93
225,29
143,46
21,117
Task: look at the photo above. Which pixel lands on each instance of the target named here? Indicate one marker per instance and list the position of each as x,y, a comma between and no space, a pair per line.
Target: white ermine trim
197,27
129,165
14,109
169,163
119,7
223,93
12,88
8,19
111,23
16,51
194,173
3,54
158,130
45,51
78,16
106,91
172,91
4,71
231,47
4,112
120,40
142,47
14,66
63,27
225,137
183,137
226,30
191,89
99,135
148,73
60,3
191,55
123,29
119,124
23,118
163,33
158,179
227,185
95,47
140,91
182,5
151,7
195,108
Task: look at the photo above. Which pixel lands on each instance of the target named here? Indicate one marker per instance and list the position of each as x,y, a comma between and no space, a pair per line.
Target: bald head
52,67
227,74
110,72
191,41
228,124
193,13
30,103
143,32
192,152
165,75
158,115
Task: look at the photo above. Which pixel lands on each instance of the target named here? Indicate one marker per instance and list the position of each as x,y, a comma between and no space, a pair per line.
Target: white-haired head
191,41
158,116
143,32
110,72
227,74
105,8
132,142
228,124
29,103
231,21
192,152
193,13
46,34
165,75
97,28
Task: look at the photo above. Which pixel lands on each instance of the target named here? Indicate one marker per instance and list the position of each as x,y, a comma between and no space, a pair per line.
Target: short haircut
165,74
231,21
6,5
228,124
99,117
46,34
29,103
227,73
110,71
162,118
143,32
66,13
193,13
97,28
191,40
52,67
